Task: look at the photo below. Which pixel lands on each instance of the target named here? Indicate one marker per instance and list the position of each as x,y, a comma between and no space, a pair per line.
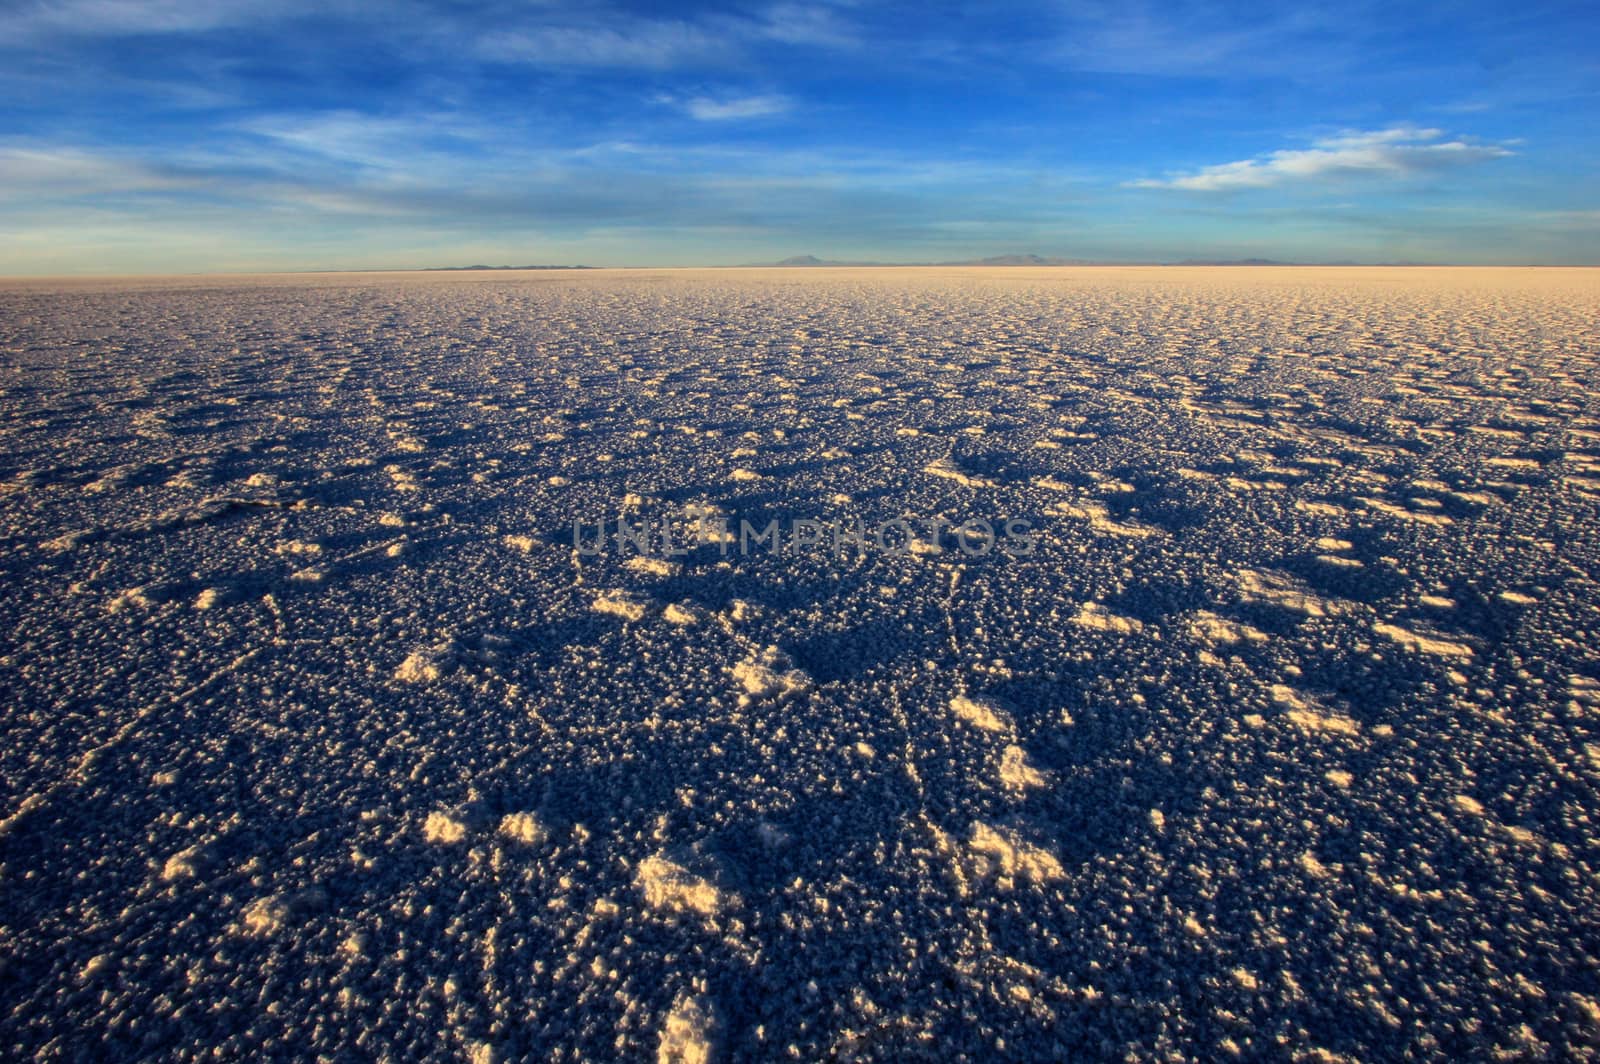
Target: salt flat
1277,734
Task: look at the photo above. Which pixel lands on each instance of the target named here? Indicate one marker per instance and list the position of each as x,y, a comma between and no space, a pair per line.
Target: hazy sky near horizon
175,135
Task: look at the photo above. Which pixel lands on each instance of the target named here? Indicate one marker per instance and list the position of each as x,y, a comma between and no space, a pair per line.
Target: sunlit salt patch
1252,484
1338,561
271,915
100,962
1111,485
184,864
711,523
768,675
669,887
982,713
947,469
1583,695
1425,517
1282,590
442,828
657,567
522,827
687,1033
401,480
134,598
1095,616
1320,509
1002,853
109,482
1424,642
620,602
67,541
680,614
264,917
1495,432
1210,627
1587,486
425,665
1304,713
1098,516
1523,464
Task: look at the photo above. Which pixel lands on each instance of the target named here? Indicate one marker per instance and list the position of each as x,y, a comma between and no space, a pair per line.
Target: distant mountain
993,260
812,260
453,269
1019,260
1232,262
1275,262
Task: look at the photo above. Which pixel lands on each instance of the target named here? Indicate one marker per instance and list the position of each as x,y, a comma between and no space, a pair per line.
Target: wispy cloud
711,109
575,37
398,143
806,24
63,171
1207,38
111,18
646,45
1397,152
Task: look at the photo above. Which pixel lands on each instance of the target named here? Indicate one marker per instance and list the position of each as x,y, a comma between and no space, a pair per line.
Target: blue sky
176,135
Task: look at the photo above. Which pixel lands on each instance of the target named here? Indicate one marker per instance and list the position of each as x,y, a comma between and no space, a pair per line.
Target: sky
152,136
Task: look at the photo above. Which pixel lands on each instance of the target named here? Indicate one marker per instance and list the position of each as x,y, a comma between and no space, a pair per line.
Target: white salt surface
323,739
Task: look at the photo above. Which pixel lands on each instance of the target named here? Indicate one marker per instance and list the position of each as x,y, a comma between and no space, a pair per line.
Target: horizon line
803,267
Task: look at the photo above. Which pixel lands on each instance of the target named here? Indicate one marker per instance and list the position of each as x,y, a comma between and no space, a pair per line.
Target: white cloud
571,36
707,109
648,46
805,24
59,171
108,18
1398,152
